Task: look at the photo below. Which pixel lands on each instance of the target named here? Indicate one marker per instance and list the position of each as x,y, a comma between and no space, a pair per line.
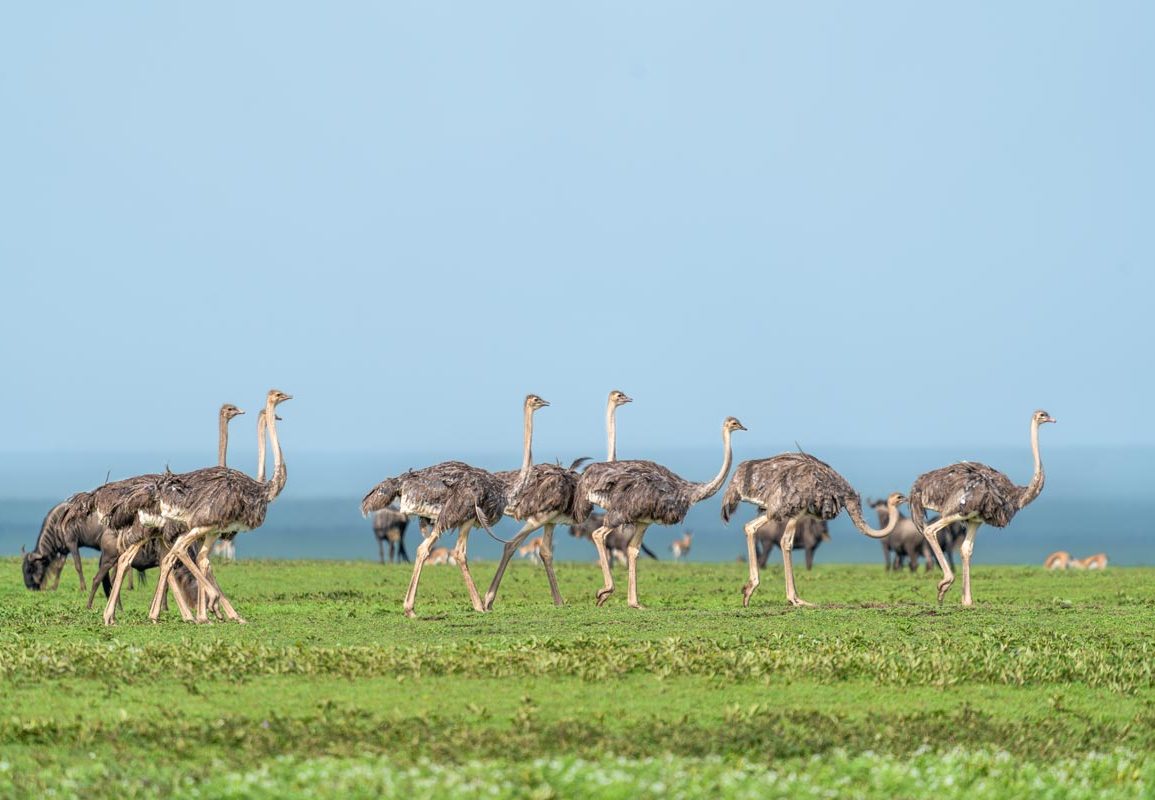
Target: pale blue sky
844,223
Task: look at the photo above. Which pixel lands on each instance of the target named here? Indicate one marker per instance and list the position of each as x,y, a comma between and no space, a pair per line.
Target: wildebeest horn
23,551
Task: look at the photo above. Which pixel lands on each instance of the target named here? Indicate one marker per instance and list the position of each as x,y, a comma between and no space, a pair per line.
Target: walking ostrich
640,494
454,495
791,486
218,501
548,502
972,493
132,509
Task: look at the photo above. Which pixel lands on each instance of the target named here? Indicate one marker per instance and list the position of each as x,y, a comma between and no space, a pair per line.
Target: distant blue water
1094,501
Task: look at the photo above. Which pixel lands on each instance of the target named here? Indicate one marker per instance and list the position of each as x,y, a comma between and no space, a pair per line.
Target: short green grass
1045,688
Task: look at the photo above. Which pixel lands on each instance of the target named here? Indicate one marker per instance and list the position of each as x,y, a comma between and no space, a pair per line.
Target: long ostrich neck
527,456
1032,489
261,426
280,475
854,509
222,439
704,490
611,431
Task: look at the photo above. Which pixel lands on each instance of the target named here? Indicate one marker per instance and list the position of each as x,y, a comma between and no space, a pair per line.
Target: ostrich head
1042,416
895,500
732,424
228,411
276,396
533,402
619,398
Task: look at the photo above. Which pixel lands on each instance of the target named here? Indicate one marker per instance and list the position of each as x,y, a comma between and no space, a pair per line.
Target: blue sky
844,223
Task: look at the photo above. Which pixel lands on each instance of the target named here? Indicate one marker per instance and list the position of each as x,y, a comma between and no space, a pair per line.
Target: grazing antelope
682,546
441,555
1058,560
1097,561
531,550
224,550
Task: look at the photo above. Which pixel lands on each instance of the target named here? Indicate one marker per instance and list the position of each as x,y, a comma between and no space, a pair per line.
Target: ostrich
791,486
132,509
548,502
809,533
226,546
640,494
217,501
972,493
454,495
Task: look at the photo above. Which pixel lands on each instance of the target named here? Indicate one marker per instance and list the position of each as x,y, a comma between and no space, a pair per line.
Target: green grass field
1046,688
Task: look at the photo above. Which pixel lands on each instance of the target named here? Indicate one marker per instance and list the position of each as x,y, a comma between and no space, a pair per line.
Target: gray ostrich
454,495
212,502
791,486
547,502
639,494
131,508
975,494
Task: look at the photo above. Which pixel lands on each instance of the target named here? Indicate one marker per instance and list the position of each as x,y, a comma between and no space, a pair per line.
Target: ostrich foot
558,601
603,596
638,606
487,602
747,592
968,602
798,602
409,613
943,586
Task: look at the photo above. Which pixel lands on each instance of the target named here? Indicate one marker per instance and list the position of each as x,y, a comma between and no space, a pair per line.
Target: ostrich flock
173,520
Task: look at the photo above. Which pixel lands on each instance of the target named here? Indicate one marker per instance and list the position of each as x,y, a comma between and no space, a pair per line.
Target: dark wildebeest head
35,569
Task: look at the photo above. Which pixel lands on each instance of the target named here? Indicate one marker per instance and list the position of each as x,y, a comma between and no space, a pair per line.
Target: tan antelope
682,546
440,555
1097,561
1058,560
531,550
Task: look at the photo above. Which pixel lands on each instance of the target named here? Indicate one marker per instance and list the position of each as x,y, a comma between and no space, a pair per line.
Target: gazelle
682,546
1097,561
531,550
